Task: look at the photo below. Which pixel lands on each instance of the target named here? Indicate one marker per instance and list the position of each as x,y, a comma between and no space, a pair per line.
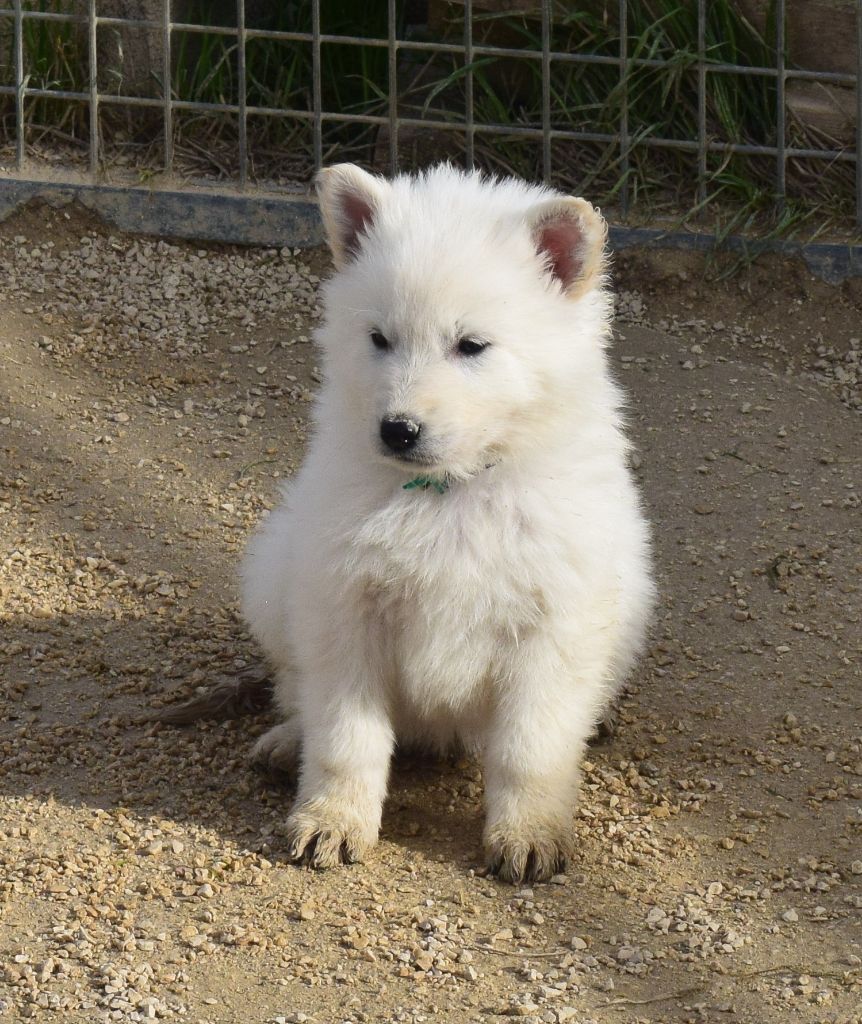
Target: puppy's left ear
350,199
569,234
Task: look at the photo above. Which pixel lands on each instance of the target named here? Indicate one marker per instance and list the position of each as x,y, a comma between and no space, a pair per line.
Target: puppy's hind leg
606,728
277,750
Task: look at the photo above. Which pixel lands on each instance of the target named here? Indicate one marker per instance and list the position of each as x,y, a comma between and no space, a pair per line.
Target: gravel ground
151,396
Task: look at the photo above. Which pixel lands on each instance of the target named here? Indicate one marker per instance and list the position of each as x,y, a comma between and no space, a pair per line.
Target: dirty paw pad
322,844
519,860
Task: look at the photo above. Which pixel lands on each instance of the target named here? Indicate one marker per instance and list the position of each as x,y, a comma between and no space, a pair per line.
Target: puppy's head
465,317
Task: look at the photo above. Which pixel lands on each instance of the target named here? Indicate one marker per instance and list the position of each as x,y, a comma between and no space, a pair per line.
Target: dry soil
151,398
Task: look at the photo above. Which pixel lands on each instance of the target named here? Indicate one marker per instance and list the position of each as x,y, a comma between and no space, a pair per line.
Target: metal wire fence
392,119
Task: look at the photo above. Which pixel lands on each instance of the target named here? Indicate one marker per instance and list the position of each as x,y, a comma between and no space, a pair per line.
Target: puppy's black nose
399,435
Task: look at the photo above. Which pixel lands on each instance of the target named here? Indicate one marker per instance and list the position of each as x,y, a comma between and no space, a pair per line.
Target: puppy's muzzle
399,434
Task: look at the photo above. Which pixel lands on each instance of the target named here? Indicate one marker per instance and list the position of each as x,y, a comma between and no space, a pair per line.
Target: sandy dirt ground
151,398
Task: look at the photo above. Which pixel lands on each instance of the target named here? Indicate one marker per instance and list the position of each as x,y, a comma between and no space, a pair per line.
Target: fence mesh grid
391,120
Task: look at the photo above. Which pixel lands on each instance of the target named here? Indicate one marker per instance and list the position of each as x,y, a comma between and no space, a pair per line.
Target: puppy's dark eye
471,347
379,340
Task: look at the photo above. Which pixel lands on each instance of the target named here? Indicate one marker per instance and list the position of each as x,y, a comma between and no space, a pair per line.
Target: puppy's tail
249,694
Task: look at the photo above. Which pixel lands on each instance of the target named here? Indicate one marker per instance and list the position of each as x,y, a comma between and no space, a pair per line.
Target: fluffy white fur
502,614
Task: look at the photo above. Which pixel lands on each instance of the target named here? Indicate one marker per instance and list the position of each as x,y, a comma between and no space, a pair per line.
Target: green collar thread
422,483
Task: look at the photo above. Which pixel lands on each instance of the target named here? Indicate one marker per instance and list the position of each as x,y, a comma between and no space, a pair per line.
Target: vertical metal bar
92,24
546,91
701,103
469,130
242,116
781,110
393,88
167,72
624,107
317,103
19,87
859,113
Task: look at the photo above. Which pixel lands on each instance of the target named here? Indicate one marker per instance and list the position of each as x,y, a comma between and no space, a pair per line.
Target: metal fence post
701,103
781,107
317,103
624,107
546,91
859,114
392,63
20,128
469,130
242,114
92,41
167,74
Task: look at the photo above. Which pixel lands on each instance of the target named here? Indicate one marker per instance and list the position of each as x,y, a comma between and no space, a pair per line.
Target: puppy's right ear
349,201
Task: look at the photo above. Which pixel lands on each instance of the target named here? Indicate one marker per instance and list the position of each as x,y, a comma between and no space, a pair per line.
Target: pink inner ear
357,213
561,242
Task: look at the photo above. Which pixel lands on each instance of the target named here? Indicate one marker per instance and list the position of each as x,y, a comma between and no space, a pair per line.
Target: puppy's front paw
527,853
322,838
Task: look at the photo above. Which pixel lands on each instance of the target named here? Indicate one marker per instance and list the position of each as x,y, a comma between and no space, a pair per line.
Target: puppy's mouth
408,458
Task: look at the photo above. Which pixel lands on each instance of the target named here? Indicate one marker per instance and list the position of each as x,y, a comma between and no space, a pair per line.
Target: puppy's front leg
347,743
542,719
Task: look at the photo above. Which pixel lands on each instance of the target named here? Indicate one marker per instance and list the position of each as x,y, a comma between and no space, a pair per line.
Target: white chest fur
449,581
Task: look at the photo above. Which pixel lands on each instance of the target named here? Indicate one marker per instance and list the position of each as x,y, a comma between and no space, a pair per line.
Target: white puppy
462,557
